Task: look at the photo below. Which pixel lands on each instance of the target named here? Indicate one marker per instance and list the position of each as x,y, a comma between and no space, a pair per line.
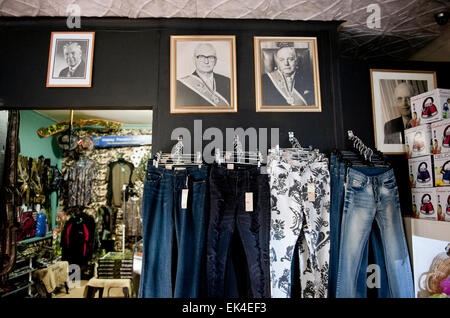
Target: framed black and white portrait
287,74
391,105
70,59
203,74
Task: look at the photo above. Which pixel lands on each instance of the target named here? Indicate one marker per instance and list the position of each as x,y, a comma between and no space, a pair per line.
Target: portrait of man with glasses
204,86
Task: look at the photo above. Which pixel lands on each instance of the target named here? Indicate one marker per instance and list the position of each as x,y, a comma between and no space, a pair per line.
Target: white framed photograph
287,74
70,59
391,105
203,74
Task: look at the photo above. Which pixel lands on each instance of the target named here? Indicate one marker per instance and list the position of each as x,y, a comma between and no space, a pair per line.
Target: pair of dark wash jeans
167,227
228,219
371,209
338,172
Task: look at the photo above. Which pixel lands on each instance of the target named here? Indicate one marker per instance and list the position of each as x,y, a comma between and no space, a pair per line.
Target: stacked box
430,106
115,265
443,200
421,172
424,203
440,135
418,141
415,102
442,170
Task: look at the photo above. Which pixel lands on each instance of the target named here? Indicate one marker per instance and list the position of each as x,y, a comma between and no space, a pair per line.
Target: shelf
16,290
436,230
36,238
13,276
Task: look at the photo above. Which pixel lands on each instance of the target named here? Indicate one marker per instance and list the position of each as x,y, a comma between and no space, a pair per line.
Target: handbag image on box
419,143
446,137
426,207
423,175
428,108
446,173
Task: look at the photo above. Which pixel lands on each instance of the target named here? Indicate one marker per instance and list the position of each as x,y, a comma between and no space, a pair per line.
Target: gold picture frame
203,74
280,61
70,59
391,92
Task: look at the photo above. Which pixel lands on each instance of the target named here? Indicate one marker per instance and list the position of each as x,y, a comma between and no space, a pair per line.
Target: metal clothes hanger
177,158
238,156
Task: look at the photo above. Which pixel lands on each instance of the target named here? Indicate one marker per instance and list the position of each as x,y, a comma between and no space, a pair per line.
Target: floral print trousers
300,212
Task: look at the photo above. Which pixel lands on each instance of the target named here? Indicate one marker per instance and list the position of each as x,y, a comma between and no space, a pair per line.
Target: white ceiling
127,117
405,25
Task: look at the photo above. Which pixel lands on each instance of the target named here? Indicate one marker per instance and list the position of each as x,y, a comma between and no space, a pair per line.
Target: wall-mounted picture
70,59
287,74
203,74
391,94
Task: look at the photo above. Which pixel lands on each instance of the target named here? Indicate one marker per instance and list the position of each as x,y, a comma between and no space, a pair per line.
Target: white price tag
264,170
248,201
311,192
184,198
230,166
169,167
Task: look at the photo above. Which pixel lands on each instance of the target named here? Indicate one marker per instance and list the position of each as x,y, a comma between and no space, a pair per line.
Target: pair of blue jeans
230,224
169,229
338,172
371,198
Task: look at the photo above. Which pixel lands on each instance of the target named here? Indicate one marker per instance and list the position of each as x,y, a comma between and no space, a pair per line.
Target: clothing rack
360,146
238,156
369,155
177,158
296,151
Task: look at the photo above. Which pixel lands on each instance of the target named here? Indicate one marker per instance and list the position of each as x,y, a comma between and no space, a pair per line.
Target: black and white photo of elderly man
76,66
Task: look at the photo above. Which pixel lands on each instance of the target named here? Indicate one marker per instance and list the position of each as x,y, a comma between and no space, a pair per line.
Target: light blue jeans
372,195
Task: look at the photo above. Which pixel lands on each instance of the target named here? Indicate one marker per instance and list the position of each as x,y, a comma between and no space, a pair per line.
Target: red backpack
28,226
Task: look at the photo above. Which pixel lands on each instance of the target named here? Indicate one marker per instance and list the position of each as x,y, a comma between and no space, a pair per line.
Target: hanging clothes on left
79,179
77,239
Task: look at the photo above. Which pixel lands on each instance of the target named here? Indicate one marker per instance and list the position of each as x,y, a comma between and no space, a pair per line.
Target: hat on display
446,173
423,175
419,143
446,137
427,206
428,108
63,141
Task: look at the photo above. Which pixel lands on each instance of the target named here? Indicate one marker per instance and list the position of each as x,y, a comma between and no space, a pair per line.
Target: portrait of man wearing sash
287,75
204,81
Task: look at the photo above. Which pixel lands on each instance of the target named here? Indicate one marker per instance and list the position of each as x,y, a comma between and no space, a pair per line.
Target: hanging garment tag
248,201
230,166
311,192
184,198
155,163
169,167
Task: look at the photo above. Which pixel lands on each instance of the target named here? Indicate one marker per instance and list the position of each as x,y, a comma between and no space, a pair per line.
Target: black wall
125,71
323,130
131,70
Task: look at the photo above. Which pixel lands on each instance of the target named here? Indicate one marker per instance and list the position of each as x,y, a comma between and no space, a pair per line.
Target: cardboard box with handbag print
443,201
418,141
442,170
424,203
440,136
430,106
415,102
421,172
